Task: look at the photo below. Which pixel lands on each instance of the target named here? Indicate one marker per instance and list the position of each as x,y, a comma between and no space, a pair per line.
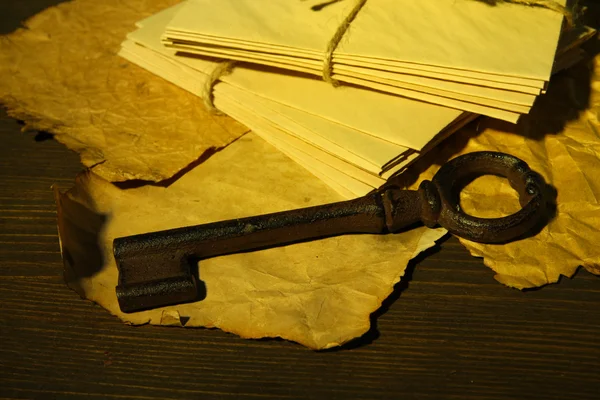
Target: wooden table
449,331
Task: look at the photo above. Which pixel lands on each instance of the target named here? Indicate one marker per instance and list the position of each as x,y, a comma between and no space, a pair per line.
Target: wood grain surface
449,331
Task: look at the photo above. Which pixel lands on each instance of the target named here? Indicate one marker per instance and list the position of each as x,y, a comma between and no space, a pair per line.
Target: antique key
155,269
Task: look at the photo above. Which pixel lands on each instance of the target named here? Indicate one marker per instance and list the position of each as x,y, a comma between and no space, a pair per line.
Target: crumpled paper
561,141
61,74
320,294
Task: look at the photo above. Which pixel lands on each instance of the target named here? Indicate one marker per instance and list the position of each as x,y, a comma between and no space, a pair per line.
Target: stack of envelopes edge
464,54
352,137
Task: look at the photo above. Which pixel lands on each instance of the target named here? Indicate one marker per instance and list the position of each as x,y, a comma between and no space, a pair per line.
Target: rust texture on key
156,269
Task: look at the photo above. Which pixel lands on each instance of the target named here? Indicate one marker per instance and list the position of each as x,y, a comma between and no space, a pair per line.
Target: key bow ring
440,198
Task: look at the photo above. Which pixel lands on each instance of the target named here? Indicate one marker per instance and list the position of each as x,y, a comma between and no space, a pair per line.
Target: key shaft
155,268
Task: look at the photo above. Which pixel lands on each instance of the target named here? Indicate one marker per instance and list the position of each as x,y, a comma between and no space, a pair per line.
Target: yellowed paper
343,173
560,140
476,87
347,144
271,132
496,109
365,151
398,120
465,38
341,182
275,121
61,74
505,99
344,185
461,34
445,33
320,133
320,294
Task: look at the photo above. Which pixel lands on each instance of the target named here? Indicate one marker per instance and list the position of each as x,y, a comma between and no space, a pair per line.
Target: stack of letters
410,73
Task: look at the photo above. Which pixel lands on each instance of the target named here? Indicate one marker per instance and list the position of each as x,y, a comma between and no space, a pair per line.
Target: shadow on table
14,13
373,333
80,230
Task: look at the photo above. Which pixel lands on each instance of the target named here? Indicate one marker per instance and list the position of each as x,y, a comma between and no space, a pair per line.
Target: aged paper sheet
320,294
61,74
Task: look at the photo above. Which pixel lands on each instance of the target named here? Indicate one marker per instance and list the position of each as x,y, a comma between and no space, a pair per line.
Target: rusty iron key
155,269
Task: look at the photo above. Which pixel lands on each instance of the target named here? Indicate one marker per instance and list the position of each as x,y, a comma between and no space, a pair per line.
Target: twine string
222,69
335,41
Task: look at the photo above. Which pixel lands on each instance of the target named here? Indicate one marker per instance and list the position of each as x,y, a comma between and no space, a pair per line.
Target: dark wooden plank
473,340
28,169
450,332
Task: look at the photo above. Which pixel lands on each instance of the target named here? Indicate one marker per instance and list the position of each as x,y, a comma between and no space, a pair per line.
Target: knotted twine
222,69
